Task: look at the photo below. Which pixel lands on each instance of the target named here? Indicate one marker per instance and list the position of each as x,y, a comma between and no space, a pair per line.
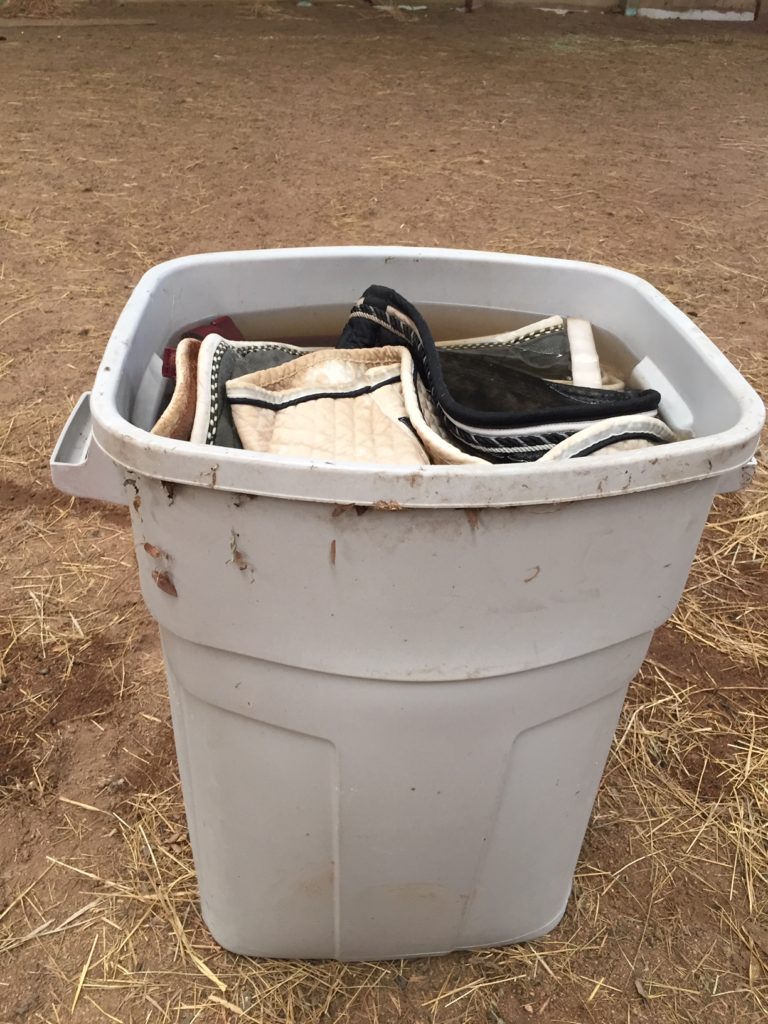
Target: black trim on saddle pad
510,398
261,403
604,442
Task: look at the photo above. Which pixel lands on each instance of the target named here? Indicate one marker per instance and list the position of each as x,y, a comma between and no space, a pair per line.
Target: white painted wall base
703,15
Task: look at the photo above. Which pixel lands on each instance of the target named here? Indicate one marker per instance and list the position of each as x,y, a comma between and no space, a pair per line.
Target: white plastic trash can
394,690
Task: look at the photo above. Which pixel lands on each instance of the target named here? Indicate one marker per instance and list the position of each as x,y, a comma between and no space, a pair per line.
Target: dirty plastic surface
705,392
394,694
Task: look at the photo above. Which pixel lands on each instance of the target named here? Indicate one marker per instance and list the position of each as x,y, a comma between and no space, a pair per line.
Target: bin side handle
736,479
78,464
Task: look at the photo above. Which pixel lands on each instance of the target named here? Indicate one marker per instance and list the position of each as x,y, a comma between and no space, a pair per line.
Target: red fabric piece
169,363
223,325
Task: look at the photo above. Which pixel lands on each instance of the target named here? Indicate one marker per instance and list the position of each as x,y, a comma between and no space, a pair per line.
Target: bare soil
227,126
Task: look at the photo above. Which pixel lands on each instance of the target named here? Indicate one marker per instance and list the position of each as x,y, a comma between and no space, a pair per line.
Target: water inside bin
317,326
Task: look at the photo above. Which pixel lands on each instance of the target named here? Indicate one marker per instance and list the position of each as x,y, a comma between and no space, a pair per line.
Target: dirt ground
643,146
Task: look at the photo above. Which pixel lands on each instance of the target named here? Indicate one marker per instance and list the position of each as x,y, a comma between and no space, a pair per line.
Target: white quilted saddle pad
336,405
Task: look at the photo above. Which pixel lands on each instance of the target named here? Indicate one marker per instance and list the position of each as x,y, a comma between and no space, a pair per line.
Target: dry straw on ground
98,905
683,806
677,851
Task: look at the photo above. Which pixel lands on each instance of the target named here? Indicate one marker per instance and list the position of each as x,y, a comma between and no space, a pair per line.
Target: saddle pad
178,417
340,406
219,361
488,406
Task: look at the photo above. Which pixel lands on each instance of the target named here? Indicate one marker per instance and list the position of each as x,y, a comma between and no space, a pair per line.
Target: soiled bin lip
311,272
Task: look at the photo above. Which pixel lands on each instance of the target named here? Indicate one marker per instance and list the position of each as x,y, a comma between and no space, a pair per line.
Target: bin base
224,940
353,819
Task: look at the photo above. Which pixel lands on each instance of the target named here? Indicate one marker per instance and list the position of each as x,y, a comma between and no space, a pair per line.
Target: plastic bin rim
138,452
